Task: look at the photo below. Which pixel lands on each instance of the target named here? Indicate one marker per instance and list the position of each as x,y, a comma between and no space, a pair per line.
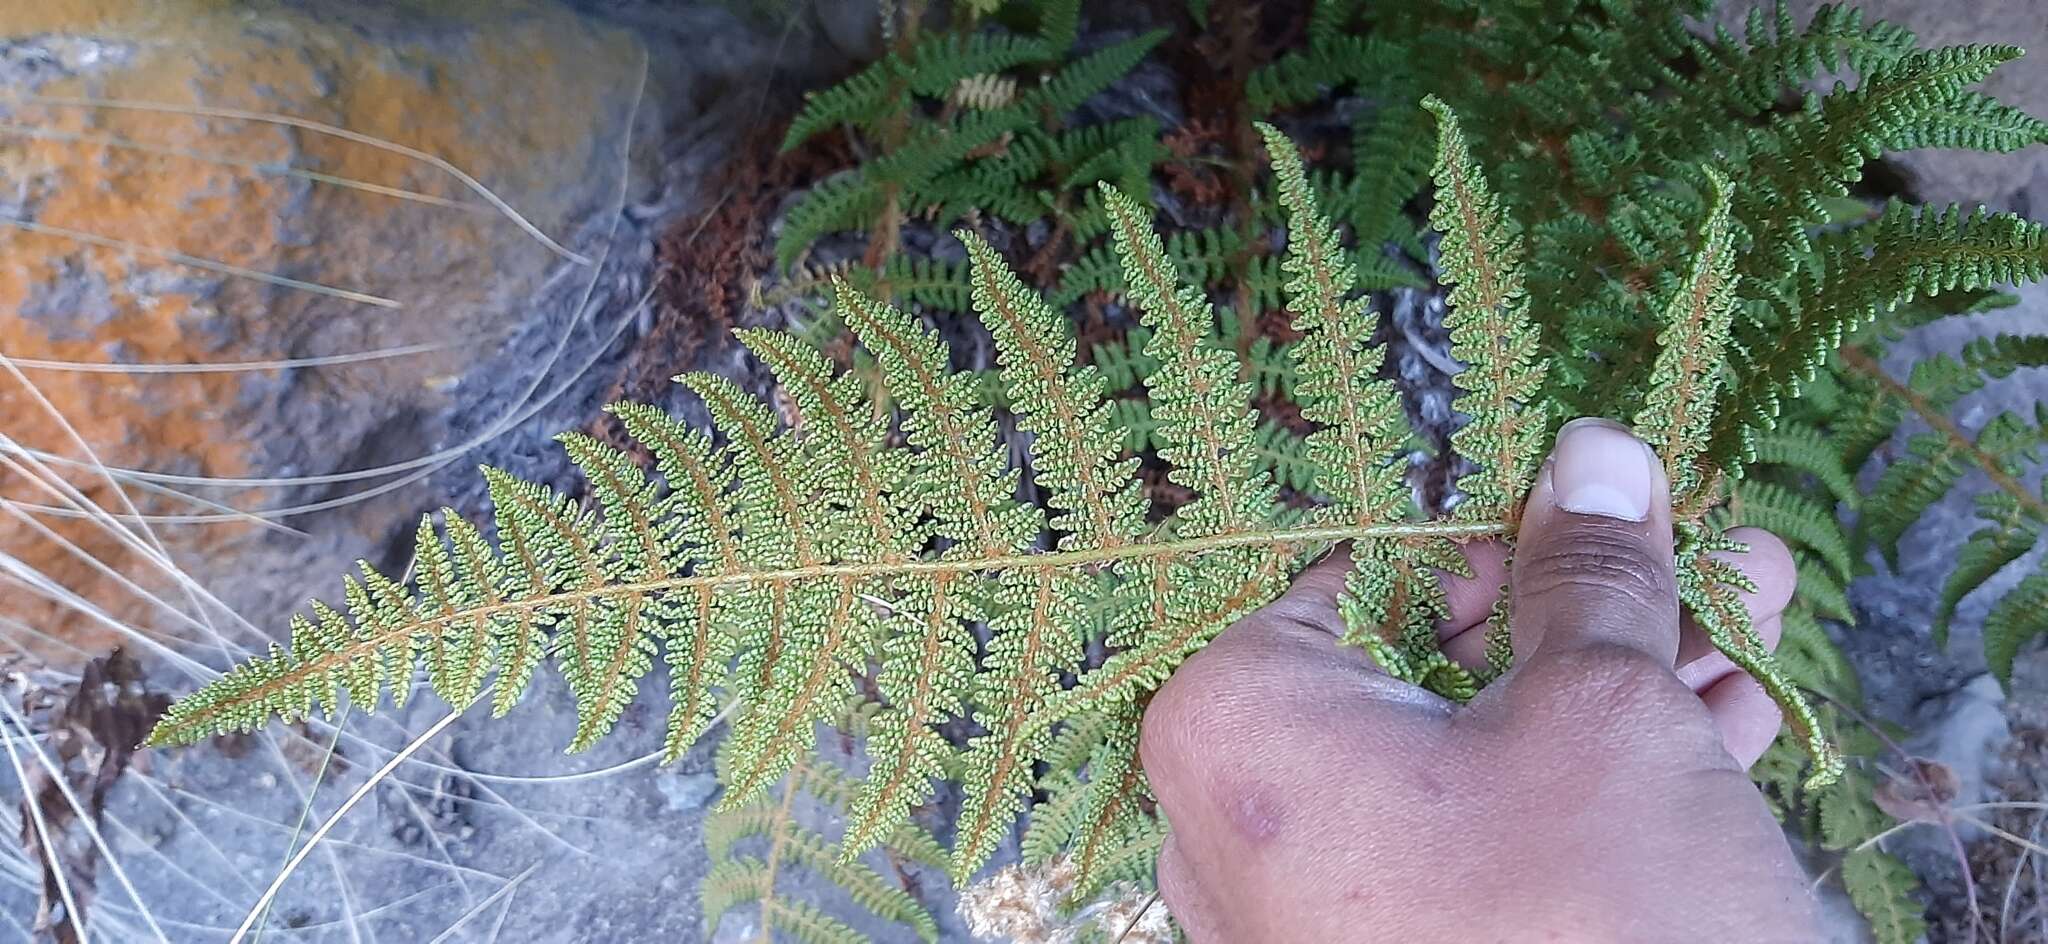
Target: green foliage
1630,218
960,117
1491,333
777,567
756,845
1880,885
1934,463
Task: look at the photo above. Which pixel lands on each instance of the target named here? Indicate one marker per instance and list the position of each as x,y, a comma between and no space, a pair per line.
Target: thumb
1593,560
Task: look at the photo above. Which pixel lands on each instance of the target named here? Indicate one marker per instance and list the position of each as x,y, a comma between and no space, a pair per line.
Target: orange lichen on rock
165,235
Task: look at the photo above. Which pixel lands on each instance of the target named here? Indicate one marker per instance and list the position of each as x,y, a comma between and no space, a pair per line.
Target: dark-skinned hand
1596,792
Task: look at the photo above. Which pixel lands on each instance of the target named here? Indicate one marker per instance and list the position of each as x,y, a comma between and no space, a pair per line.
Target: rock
687,793
2014,182
176,193
854,28
1965,732
600,121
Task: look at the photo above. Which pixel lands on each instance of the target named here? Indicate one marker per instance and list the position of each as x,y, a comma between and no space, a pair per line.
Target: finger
1312,597
1471,599
1768,564
1593,560
1746,715
1706,671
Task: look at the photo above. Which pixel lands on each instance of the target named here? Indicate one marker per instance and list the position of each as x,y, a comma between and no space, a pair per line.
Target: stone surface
2014,182
1942,698
598,121
175,196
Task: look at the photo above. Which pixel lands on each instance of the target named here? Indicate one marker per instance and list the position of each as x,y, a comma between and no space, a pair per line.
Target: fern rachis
780,565
803,557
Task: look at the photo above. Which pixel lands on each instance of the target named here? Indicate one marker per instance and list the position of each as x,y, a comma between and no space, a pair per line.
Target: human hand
1594,793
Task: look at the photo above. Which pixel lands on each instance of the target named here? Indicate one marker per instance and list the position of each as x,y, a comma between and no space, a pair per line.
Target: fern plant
970,120
1689,266
772,570
1606,122
758,845
1612,204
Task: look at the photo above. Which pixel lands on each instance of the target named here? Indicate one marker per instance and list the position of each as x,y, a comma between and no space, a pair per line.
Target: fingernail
1600,468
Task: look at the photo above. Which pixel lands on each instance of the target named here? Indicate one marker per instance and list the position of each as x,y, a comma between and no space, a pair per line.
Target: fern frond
1208,431
699,647
1082,79
1490,332
756,845
1742,80
1677,416
2018,618
608,651
1798,161
1364,427
1117,791
1390,591
1711,590
1077,459
1802,448
1812,661
2007,535
1935,463
932,68
1880,885
1904,253
1819,588
1798,519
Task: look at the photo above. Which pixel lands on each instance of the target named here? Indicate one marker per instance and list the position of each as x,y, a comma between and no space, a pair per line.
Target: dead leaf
1923,792
92,727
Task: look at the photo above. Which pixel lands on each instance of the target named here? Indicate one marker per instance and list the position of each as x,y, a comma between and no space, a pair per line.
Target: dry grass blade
298,858
210,265
474,185
259,168
232,367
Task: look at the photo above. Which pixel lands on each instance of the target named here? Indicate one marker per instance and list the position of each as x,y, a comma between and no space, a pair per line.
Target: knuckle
1216,704
1603,563
1187,713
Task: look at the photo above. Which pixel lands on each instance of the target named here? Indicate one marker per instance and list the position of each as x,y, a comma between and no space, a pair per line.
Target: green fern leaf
2018,618
755,845
1798,519
1802,448
1686,380
1878,884
2006,536
1711,590
1906,252
1490,332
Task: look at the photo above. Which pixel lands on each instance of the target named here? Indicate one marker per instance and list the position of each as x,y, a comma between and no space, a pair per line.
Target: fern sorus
773,569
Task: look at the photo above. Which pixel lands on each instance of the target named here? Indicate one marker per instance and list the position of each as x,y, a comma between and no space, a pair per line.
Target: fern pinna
776,568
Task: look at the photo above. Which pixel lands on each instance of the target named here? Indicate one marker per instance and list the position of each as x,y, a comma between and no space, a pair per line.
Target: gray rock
598,128
853,26
687,793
